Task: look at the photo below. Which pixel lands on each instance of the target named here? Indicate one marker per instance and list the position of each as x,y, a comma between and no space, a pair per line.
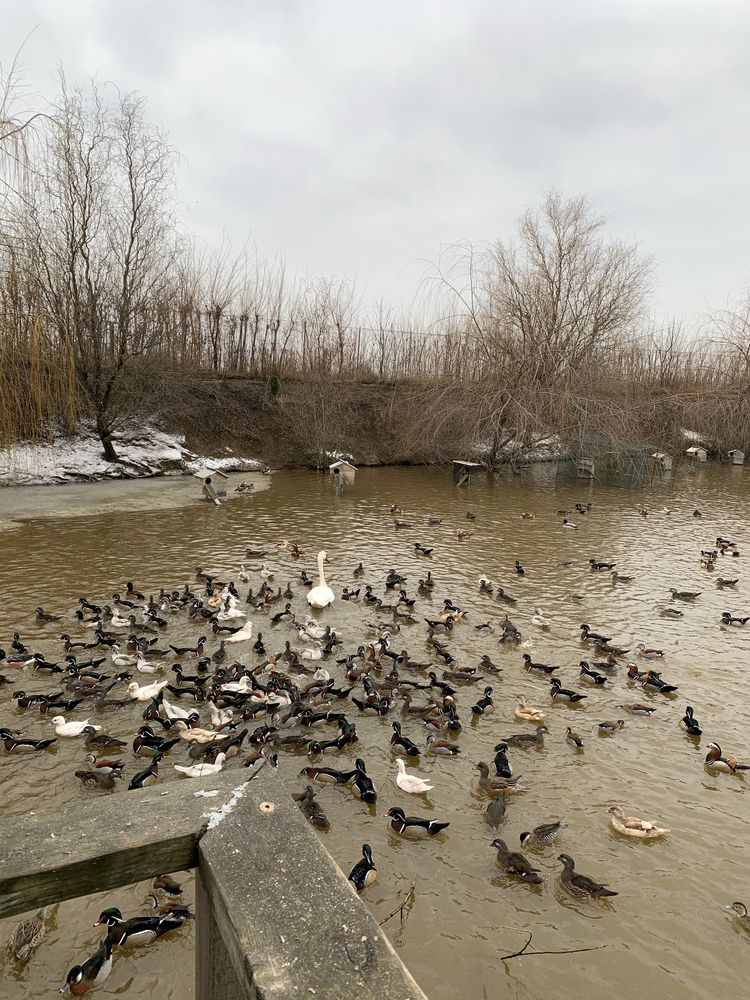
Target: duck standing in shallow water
364,873
631,826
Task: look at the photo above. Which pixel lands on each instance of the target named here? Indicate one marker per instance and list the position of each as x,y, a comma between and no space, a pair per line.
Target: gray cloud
358,137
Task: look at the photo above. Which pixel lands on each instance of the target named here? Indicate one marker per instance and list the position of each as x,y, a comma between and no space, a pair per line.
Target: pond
664,934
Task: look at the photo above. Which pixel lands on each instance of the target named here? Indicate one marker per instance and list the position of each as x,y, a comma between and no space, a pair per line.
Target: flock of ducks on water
226,696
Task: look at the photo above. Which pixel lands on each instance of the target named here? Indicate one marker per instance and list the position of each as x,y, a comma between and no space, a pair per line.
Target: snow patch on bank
144,451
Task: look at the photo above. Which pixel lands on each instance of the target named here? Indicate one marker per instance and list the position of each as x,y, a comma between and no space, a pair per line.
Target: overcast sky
356,138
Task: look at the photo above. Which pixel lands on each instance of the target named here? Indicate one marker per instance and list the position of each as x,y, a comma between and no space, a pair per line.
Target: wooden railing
275,917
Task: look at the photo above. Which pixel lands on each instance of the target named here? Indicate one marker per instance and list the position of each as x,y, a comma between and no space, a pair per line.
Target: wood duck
485,705
403,742
542,668
363,786
689,723
364,873
559,693
502,765
146,777
92,973
411,825
15,743
138,930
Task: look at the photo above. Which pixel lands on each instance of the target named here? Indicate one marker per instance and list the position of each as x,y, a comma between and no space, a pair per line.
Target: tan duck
28,935
527,713
631,826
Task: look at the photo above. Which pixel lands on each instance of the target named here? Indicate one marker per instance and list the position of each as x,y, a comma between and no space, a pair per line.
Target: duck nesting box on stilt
696,453
344,473
214,483
585,468
463,471
736,457
662,460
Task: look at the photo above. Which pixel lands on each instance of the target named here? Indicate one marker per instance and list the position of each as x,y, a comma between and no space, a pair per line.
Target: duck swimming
364,873
413,825
716,761
631,826
581,885
542,836
514,863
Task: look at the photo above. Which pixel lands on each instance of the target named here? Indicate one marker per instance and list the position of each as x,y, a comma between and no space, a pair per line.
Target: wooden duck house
463,471
736,457
585,468
214,483
345,471
662,460
697,453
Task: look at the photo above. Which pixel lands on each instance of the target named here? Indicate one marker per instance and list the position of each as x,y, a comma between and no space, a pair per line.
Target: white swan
322,595
410,782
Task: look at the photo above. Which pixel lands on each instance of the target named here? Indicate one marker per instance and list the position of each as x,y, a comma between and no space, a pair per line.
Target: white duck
117,621
119,658
219,716
202,770
146,666
539,619
243,576
145,693
245,633
313,652
63,728
265,572
409,782
170,711
322,595
230,611
631,826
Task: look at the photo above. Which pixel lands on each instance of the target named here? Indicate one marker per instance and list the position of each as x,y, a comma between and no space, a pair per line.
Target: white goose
202,770
322,595
410,782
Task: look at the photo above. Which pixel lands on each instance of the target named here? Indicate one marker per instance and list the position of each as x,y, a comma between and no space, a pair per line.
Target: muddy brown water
665,934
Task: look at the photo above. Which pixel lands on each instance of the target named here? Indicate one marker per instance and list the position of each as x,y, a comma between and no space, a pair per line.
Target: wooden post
215,978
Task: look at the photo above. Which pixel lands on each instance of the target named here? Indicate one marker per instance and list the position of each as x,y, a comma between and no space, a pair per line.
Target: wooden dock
276,918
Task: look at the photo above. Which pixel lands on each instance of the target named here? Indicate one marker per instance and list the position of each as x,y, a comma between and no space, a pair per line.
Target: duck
15,743
403,742
527,713
364,873
573,739
595,564
689,723
519,568
674,614
327,775
527,739
494,814
740,911
442,747
738,621
145,692
322,595
100,778
631,826
559,693
138,930
568,524
581,885
514,863
540,620
413,825
649,652
485,705
637,709
363,787
243,634
310,808
590,676
409,782
530,666
620,578
63,728
716,761
543,835
146,777
92,973
684,595
203,769
652,681
496,785
28,935
609,728
724,582
502,765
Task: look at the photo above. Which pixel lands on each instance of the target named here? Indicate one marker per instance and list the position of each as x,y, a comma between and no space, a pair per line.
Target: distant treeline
108,310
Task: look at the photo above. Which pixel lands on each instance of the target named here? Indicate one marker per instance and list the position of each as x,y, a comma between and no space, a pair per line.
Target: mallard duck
543,835
716,761
410,782
580,885
28,935
364,873
740,911
631,826
514,863
413,825
527,713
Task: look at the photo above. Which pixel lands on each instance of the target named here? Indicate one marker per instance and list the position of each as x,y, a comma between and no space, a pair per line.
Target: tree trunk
106,439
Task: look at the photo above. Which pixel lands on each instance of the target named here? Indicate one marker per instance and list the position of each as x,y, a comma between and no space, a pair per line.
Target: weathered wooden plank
215,978
291,922
106,843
